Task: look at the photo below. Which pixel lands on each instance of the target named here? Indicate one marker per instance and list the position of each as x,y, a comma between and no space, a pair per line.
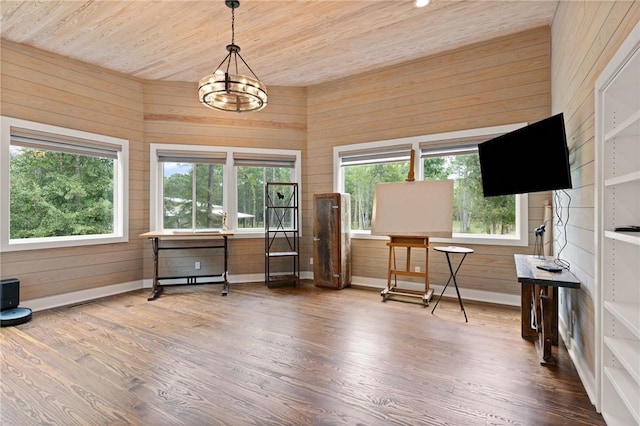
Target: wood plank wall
48,88
497,82
172,114
84,97
502,81
585,36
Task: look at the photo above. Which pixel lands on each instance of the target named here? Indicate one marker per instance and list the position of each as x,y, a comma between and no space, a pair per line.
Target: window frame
439,140
230,179
186,156
120,232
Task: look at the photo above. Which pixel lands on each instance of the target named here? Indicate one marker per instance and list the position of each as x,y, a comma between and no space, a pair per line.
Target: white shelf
282,253
627,313
627,390
629,127
626,351
627,237
626,178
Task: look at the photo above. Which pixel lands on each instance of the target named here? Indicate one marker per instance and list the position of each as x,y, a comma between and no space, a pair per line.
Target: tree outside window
192,195
198,187
61,187
473,214
360,181
55,194
252,181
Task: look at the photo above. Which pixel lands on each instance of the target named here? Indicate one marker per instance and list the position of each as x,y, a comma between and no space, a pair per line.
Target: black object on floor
10,313
15,316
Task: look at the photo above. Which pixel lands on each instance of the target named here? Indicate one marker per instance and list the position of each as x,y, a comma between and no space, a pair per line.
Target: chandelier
232,91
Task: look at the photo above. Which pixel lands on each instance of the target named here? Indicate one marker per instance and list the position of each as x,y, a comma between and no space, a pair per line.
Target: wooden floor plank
284,356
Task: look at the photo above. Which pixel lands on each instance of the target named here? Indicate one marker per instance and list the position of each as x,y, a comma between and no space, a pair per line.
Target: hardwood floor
287,356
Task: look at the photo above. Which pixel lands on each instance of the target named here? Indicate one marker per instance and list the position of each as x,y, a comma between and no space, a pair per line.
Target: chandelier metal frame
232,92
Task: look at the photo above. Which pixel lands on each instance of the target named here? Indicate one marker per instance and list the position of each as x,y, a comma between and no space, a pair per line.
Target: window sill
459,239
60,242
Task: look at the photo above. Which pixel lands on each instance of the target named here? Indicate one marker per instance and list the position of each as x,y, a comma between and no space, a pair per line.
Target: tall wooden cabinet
618,252
332,240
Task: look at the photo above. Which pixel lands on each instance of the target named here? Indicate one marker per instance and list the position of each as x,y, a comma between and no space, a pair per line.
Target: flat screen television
533,158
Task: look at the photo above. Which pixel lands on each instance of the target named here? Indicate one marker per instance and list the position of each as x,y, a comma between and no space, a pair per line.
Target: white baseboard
364,282
466,294
379,284
588,380
79,296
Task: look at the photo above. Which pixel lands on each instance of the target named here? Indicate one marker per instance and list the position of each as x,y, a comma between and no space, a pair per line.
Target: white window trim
522,200
121,191
230,179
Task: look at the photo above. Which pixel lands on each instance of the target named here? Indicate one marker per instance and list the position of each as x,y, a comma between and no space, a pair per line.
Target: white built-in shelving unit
618,253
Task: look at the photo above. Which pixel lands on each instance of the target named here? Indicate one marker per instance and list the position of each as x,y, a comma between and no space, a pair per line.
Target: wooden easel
407,242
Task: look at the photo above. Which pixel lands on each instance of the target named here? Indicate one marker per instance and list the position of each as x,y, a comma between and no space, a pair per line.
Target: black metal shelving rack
282,234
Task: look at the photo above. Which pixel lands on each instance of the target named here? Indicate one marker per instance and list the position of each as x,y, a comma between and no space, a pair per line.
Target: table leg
528,307
156,289
441,294
427,291
546,305
392,261
455,283
225,286
554,316
391,266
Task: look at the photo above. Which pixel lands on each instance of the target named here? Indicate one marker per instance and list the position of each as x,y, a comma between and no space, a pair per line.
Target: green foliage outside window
182,180
192,188
56,194
360,181
251,183
473,214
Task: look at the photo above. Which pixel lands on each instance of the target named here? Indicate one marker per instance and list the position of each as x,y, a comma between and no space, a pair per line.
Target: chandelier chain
233,39
232,92
233,25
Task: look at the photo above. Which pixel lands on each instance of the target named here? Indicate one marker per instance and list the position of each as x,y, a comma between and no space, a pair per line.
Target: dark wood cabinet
332,240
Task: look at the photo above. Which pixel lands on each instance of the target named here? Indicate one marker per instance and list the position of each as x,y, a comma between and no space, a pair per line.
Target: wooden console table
539,302
155,238
407,242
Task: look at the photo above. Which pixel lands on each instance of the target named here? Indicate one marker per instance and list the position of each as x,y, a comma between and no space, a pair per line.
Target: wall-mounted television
533,158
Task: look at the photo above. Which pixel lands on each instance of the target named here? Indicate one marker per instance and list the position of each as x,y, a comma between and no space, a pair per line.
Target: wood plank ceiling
286,43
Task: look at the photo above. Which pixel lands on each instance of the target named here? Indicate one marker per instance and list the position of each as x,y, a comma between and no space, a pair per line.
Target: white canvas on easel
413,208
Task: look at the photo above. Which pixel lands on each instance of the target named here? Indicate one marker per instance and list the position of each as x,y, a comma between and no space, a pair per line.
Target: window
472,213
61,187
494,220
200,187
192,189
362,170
253,171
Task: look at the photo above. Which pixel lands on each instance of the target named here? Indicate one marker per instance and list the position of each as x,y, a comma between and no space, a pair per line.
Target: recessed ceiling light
421,3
